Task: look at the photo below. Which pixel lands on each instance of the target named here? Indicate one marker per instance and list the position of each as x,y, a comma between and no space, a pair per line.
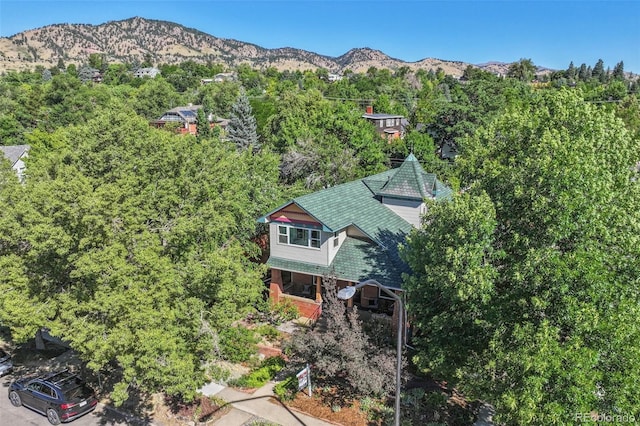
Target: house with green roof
351,231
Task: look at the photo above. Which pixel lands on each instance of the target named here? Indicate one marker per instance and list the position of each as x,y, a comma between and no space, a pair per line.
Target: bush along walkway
259,406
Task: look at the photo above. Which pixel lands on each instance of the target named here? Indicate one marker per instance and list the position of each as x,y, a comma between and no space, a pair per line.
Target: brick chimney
369,109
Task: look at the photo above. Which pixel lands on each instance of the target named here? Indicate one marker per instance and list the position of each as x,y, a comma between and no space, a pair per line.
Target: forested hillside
139,245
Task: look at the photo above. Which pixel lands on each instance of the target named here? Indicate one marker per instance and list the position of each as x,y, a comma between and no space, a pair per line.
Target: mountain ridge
136,39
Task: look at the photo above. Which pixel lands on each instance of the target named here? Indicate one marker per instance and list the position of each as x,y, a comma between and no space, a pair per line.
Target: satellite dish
346,293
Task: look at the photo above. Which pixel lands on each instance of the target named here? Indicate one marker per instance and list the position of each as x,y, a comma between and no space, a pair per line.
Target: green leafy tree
525,288
218,98
134,245
523,70
98,61
336,129
203,125
155,97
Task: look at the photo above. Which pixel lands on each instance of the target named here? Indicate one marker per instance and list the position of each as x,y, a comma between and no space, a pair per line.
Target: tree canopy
134,245
525,286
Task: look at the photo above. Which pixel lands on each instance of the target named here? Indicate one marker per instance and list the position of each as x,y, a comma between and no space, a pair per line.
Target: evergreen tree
599,72
242,128
583,74
571,71
618,71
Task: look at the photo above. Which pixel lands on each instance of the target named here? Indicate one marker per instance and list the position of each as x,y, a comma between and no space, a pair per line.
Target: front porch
305,292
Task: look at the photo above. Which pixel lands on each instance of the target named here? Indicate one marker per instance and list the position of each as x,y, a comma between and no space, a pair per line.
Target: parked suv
5,363
61,396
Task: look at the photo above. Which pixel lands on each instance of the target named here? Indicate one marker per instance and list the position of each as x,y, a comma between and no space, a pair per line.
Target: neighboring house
88,73
334,77
389,126
224,76
187,117
352,231
16,154
151,72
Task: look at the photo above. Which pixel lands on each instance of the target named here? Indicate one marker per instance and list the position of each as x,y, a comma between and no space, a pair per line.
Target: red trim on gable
291,214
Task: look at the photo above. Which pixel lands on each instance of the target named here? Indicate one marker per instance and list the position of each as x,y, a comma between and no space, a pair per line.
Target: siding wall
303,254
352,231
333,250
409,210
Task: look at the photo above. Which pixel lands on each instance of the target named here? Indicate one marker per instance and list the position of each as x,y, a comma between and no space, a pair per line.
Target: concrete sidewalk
259,406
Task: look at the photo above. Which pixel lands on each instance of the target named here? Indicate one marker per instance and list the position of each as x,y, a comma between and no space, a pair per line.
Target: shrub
218,373
283,311
286,390
237,344
343,353
267,371
268,331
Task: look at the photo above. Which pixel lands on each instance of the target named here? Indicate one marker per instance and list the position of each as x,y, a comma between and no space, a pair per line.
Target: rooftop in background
379,116
14,152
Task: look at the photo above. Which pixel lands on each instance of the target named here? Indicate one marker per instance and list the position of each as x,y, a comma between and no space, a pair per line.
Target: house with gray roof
150,72
389,126
351,231
16,155
186,118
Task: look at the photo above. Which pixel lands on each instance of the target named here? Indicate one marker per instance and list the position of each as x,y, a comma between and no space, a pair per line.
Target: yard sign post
304,379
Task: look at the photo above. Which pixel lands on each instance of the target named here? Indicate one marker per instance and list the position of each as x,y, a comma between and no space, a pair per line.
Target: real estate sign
304,379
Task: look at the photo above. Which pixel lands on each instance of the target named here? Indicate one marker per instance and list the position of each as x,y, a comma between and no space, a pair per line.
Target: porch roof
357,260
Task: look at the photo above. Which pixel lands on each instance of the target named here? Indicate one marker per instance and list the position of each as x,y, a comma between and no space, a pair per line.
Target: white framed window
390,122
283,234
315,239
381,123
299,236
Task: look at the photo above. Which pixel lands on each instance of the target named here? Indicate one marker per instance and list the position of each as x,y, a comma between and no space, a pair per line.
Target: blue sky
550,33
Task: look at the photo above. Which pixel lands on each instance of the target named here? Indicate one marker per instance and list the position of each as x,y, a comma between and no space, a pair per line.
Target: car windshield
78,392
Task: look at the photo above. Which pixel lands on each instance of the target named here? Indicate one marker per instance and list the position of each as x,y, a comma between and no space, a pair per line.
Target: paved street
21,416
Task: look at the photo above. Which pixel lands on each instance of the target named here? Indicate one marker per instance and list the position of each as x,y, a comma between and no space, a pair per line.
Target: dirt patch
427,401
347,413
204,410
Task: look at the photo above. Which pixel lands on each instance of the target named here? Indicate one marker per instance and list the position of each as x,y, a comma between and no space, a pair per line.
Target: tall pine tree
599,72
618,71
242,125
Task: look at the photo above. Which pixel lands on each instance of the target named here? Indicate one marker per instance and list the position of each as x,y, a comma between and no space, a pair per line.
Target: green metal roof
358,204
353,203
409,181
356,261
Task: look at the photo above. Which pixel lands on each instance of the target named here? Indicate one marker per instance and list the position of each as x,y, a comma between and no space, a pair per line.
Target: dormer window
298,236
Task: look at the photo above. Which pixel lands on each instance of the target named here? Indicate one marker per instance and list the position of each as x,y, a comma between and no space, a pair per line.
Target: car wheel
53,417
15,399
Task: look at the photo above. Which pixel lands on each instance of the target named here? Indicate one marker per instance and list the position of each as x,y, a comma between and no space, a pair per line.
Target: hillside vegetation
138,39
